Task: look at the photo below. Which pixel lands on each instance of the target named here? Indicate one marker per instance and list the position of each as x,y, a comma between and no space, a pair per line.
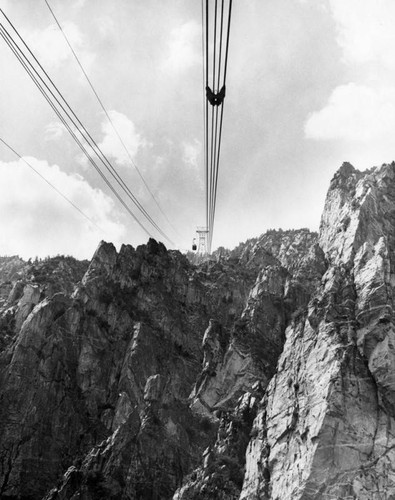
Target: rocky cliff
266,372
325,424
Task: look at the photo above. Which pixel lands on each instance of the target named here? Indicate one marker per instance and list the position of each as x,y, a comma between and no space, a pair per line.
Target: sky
310,85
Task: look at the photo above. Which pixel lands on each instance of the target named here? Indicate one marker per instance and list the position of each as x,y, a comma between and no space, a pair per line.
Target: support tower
202,233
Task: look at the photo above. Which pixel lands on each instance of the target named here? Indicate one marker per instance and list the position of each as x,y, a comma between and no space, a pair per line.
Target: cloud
78,4
191,152
183,47
112,146
42,222
106,26
355,112
365,30
363,110
53,131
191,156
51,48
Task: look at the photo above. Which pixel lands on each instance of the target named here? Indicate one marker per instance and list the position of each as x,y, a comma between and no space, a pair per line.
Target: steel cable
88,138
216,99
70,130
51,185
108,116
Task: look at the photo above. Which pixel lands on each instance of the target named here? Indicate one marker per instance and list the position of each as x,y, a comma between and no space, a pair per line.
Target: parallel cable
91,142
205,112
213,121
216,160
220,46
215,41
219,72
108,116
227,40
216,174
67,126
207,131
78,125
207,27
214,129
221,120
70,130
51,185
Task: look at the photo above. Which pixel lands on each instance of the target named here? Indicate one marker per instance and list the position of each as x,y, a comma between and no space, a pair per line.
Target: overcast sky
310,84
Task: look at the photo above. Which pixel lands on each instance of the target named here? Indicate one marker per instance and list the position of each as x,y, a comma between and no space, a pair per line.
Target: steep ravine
266,372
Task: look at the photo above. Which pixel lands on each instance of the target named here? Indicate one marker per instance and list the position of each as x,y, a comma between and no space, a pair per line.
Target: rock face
11,268
326,424
267,372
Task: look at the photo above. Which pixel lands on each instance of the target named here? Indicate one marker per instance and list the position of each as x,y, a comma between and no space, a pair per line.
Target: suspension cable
108,116
70,130
80,126
205,113
213,121
216,98
51,185
77,124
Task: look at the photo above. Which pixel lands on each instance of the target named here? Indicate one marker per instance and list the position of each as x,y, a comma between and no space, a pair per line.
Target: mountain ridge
262,373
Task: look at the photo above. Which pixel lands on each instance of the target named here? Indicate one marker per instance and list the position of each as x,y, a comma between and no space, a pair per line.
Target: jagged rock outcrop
104,382
325,429
221,474
233,380
79,367
11,268
24,284
266,372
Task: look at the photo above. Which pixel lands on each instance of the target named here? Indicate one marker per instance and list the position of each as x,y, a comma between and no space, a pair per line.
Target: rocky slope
266,372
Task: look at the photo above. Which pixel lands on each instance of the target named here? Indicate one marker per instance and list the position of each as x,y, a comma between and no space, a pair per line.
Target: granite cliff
265,372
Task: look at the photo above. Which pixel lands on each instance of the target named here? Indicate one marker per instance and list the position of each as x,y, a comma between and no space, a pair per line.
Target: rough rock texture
234,377
265,372
326,425
24,284
78,370
11,269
